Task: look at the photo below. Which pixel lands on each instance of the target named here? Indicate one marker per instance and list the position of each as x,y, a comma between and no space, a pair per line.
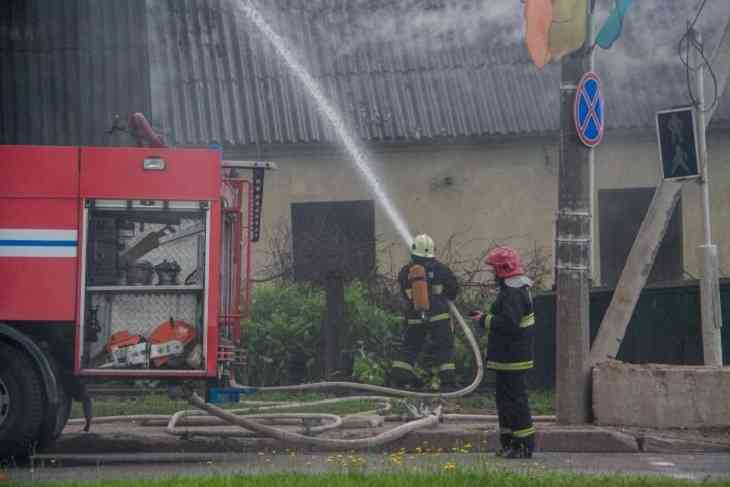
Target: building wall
67,67
487,193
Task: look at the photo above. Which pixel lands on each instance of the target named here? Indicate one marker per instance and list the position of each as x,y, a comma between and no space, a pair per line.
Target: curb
662,444
465,440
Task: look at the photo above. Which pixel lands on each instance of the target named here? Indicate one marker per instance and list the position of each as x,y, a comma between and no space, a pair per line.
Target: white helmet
422,246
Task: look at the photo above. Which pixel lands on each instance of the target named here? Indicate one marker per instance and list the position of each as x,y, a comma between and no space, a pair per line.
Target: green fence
665,328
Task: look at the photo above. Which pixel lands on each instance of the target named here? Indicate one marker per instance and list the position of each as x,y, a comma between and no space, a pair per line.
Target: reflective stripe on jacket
511,330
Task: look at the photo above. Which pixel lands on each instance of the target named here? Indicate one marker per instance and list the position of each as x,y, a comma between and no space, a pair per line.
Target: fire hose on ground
389,390
254,426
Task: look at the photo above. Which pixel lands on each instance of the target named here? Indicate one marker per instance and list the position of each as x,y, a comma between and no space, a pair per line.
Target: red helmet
506,262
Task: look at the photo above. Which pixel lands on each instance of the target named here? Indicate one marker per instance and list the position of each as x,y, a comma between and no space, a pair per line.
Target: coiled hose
292,438
430,418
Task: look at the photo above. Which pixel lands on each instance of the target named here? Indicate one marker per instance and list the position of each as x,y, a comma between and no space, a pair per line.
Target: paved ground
132,451
712,466
131,437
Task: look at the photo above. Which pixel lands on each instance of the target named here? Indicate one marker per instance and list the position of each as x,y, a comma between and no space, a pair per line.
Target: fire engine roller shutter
117,173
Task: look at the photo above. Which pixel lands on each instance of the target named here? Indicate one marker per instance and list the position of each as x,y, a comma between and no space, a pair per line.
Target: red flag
538,19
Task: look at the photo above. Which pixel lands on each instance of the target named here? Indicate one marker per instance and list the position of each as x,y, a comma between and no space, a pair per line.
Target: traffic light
678,147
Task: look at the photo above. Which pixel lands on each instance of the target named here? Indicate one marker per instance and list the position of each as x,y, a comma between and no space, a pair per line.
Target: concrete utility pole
573,249
635,272
710,284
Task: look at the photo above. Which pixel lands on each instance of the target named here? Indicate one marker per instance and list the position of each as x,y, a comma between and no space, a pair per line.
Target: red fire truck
117,263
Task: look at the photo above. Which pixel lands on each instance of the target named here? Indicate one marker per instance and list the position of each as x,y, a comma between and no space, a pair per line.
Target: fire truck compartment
145,285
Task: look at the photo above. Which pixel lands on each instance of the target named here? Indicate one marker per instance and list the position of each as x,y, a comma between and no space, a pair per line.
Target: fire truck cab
120,263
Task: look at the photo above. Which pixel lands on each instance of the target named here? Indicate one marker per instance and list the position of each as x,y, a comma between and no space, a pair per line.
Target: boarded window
333,237
621,212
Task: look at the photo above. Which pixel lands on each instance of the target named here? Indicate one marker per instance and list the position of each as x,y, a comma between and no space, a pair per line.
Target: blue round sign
589,110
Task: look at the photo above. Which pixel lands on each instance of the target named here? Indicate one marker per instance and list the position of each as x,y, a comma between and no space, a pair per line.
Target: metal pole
710,284
573,249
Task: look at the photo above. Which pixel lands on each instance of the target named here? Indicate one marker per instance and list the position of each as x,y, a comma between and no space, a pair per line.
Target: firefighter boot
521,448
505,442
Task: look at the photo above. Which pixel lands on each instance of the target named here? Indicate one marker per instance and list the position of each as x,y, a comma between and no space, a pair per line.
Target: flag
538,18
569,27
611,29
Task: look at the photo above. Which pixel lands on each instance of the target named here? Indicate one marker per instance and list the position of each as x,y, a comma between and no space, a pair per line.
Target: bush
374,335
283,335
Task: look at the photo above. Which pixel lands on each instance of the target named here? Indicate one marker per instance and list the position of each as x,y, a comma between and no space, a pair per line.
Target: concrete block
661,396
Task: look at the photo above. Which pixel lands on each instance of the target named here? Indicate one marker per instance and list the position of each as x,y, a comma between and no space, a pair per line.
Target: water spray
333,117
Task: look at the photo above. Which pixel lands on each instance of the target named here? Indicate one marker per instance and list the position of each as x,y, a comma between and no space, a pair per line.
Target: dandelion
449,466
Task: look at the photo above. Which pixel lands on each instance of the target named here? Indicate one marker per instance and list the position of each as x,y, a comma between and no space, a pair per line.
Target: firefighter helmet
422,246
506,262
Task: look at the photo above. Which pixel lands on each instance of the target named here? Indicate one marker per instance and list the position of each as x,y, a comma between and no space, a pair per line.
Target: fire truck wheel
21,403
56,420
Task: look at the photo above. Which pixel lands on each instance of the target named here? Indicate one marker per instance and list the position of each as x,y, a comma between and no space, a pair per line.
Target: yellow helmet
422,246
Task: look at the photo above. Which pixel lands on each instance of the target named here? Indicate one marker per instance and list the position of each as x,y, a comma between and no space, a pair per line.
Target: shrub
283,332
283,335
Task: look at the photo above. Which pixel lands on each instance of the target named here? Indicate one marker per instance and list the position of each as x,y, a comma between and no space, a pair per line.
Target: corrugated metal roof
399,70
67,67
215,78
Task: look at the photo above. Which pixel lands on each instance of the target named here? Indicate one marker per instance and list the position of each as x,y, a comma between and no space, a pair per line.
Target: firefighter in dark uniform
426,325
510,327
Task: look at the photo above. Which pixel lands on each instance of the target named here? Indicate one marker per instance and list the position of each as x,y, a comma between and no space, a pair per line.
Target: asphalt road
699,467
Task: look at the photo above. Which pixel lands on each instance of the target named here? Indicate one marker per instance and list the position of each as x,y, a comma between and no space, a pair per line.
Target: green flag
611,30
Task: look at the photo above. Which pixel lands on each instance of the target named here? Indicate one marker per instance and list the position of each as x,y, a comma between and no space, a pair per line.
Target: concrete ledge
661,396
588,440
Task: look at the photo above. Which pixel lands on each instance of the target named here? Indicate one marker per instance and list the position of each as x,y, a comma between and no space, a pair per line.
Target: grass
450,476
541,403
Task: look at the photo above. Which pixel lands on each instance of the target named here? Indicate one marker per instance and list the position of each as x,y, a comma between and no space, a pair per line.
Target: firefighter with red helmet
427,286
510,327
